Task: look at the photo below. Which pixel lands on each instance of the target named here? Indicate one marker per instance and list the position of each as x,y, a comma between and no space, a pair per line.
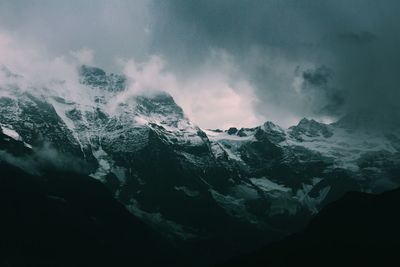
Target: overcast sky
230,62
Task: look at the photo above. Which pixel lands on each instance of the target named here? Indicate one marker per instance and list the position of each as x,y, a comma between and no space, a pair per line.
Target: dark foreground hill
360,229
67,219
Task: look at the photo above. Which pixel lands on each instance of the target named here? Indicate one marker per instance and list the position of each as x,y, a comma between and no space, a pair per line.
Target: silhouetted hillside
358,230
66,219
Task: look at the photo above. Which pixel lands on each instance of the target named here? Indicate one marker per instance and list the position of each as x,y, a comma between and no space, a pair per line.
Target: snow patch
187,191
163,225
105,165
267,185
235,207
7,130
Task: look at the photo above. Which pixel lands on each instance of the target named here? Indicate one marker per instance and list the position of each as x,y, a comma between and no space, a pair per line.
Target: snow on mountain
10,132
183,179
343,146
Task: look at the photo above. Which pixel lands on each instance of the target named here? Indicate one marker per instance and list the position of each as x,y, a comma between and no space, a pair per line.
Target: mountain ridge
191,183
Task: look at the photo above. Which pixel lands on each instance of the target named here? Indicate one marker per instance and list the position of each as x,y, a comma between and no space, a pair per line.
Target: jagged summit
159,103
96,77
148,104
311,128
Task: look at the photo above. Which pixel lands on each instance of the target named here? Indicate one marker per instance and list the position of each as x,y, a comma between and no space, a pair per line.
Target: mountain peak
272,127
96,77
158,103
304,122
311,128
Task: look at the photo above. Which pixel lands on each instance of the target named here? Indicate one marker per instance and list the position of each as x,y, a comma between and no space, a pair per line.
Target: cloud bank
228,62
302,58
211,99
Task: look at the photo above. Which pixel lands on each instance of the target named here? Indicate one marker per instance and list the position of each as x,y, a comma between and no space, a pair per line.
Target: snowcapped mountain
341,147
191,183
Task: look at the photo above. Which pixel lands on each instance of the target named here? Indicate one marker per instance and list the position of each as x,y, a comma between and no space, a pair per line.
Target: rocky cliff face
191,183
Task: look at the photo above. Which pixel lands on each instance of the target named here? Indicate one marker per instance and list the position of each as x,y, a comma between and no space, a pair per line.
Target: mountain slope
358,230
61,218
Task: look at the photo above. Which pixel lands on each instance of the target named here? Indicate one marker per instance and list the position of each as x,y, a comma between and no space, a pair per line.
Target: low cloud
213,96
84,56
264,57
45,158
25,67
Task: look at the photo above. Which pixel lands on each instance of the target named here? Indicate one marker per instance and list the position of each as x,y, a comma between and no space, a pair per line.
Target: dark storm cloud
318,82
318,77
296,57
358,40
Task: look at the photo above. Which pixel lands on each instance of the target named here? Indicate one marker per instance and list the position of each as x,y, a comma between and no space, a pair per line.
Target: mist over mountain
270,60
225,190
